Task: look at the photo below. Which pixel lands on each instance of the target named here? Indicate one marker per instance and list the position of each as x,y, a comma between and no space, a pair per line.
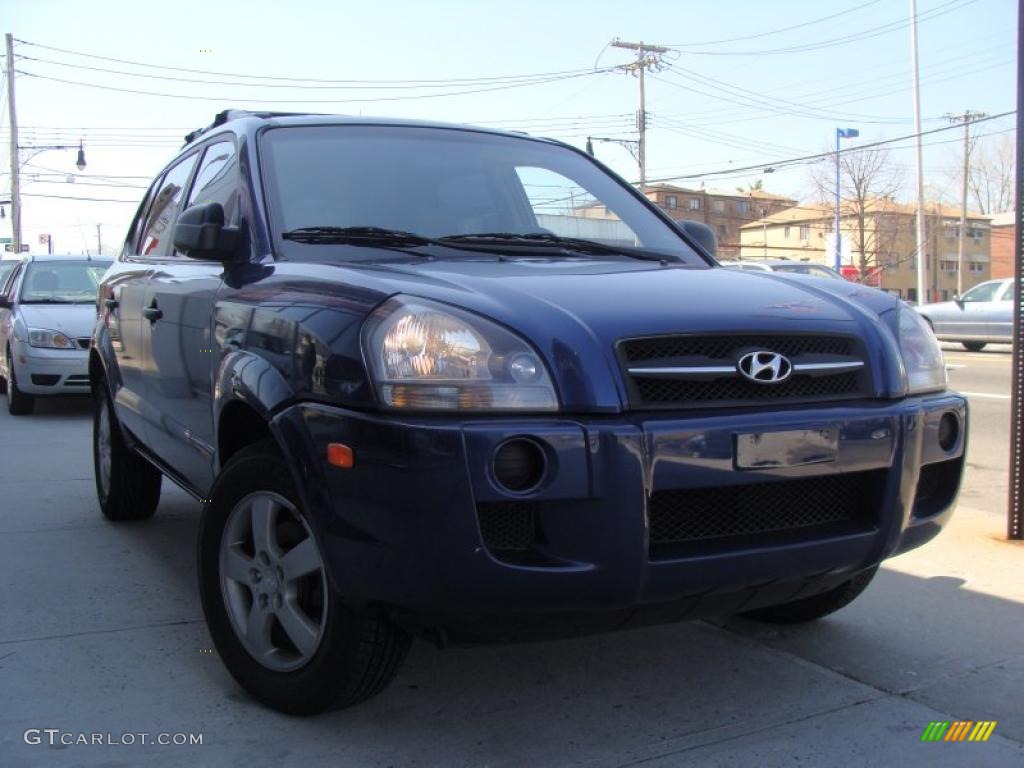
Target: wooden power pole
647,57
966,119
15,177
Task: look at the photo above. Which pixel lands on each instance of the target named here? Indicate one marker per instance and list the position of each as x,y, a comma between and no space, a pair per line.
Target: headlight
429,356
922,357
50,339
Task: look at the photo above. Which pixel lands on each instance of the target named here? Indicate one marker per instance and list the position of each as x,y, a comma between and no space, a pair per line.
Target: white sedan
47,314
983,315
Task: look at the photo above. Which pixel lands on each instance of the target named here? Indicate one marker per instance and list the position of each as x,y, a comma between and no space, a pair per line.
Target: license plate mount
792,448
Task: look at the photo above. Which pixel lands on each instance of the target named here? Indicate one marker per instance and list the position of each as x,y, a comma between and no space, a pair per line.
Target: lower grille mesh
508,526
711,513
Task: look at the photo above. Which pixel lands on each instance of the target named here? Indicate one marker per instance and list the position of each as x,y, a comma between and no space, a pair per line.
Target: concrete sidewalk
101,632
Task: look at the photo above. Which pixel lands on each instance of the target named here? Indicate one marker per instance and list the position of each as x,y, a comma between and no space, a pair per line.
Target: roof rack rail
236,114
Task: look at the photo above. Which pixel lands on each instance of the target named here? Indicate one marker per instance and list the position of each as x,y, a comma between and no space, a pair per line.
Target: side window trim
131,249
192,156
228,138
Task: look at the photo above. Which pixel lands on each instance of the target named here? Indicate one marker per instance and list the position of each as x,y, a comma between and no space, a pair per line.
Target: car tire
816,606
338,657
127,486
18,403
974,346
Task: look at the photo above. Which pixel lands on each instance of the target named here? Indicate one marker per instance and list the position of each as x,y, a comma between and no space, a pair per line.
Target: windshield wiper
576,244
371,236
49,300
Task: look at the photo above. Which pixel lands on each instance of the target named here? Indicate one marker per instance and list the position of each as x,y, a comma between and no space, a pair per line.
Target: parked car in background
785,266
420,391
47,314
6,268
983,315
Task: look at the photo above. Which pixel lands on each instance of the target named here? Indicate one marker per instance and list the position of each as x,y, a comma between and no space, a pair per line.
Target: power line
82,199
454,81
796,160
298,86
780,30
865,34
223,99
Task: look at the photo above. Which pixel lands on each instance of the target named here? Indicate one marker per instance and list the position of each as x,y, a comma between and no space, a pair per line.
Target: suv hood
615,299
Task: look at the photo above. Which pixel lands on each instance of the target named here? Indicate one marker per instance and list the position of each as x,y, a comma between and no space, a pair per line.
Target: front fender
251,379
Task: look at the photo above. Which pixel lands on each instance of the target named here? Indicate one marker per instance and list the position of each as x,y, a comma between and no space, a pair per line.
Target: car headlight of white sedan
40,337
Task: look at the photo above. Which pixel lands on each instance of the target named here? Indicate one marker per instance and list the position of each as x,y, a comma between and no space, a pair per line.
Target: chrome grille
687,371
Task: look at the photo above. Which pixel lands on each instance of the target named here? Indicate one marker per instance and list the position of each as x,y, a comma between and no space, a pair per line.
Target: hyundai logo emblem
765,367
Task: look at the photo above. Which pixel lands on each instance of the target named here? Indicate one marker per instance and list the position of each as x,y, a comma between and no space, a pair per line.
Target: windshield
62,282
444,182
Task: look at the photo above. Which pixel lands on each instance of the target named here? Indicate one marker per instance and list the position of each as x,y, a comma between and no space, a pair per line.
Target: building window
947,265
742,207
785,232
721,231
718,206
976,267
805,232
671,201
694,203
912,294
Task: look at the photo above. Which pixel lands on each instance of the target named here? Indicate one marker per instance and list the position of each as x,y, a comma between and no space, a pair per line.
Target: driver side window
983,292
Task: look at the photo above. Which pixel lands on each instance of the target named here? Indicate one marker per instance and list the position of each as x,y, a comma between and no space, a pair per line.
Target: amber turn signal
340,455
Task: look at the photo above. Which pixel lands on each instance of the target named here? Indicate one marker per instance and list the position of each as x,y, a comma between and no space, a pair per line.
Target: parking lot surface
101,632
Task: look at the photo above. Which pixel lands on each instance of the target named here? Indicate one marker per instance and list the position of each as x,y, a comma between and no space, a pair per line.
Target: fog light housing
519,465
949,431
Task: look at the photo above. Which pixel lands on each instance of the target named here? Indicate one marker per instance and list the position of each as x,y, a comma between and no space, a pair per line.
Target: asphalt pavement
101,633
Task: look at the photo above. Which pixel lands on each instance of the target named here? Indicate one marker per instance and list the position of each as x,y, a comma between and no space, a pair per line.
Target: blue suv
440,381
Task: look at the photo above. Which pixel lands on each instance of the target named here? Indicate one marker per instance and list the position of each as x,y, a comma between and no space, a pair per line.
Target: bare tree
991,177
868,183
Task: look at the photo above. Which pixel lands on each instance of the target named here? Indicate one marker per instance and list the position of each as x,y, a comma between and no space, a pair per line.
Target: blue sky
721,105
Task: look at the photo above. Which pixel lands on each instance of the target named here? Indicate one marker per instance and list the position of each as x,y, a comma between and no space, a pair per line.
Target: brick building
1004,236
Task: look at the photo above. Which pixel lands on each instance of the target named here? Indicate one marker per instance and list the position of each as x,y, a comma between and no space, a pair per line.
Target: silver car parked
47,314
983,315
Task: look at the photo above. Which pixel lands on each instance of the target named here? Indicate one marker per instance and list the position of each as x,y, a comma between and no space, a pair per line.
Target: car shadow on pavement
907,647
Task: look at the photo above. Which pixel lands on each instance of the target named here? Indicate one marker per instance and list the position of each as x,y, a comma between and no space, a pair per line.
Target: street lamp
17,162
841,133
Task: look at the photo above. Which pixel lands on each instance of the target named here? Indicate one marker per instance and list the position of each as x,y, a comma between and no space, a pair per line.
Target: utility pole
966,118
919,159
647,57
15,178
99,240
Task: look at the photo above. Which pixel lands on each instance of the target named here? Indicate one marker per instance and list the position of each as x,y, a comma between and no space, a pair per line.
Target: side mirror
702,234
959,300
200,233
4,303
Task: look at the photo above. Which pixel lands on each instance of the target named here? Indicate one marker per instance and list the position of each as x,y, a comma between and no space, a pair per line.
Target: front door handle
153,313
112,304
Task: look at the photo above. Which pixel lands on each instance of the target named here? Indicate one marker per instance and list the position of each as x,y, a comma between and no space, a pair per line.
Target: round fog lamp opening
519,465
949,431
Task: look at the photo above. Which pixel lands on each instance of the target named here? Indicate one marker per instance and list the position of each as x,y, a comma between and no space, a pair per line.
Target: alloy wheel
273,581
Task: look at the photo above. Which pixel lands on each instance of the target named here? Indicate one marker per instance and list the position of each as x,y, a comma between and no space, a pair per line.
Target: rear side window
217,179
156,235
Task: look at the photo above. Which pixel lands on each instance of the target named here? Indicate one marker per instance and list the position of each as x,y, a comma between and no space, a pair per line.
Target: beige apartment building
725,212
805,233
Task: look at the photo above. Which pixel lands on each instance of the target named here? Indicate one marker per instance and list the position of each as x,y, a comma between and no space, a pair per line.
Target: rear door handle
152,313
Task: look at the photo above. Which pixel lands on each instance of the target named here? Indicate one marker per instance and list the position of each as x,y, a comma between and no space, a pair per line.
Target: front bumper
42,371
403,528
